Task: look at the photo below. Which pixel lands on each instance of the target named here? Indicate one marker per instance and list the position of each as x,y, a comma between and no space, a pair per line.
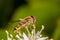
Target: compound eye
32,16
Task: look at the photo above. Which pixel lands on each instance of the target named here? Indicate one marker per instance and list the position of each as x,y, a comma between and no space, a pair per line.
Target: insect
25,22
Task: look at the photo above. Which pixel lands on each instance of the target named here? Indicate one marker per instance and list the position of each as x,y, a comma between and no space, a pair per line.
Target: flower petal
25,37
43,38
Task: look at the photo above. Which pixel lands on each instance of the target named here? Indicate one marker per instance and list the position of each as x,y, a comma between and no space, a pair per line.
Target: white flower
31,35
19,37
9,37
34,36
43,38
25,37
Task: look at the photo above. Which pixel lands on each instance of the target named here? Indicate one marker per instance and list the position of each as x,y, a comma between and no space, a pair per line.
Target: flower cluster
31,36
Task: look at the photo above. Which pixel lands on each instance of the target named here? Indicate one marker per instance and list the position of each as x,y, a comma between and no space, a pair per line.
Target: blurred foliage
47,13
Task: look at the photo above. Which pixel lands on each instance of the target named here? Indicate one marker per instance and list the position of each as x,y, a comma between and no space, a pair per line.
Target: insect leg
34,31
33,26
19,32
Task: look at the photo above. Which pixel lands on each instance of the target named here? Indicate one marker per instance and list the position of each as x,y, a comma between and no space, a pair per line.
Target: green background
47,13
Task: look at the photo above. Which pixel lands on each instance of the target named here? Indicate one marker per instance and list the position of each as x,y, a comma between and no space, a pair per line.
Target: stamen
25,37
28,31
11,35
18,37
38,33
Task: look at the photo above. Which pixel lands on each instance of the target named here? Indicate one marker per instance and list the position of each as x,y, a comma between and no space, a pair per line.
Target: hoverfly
25,23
